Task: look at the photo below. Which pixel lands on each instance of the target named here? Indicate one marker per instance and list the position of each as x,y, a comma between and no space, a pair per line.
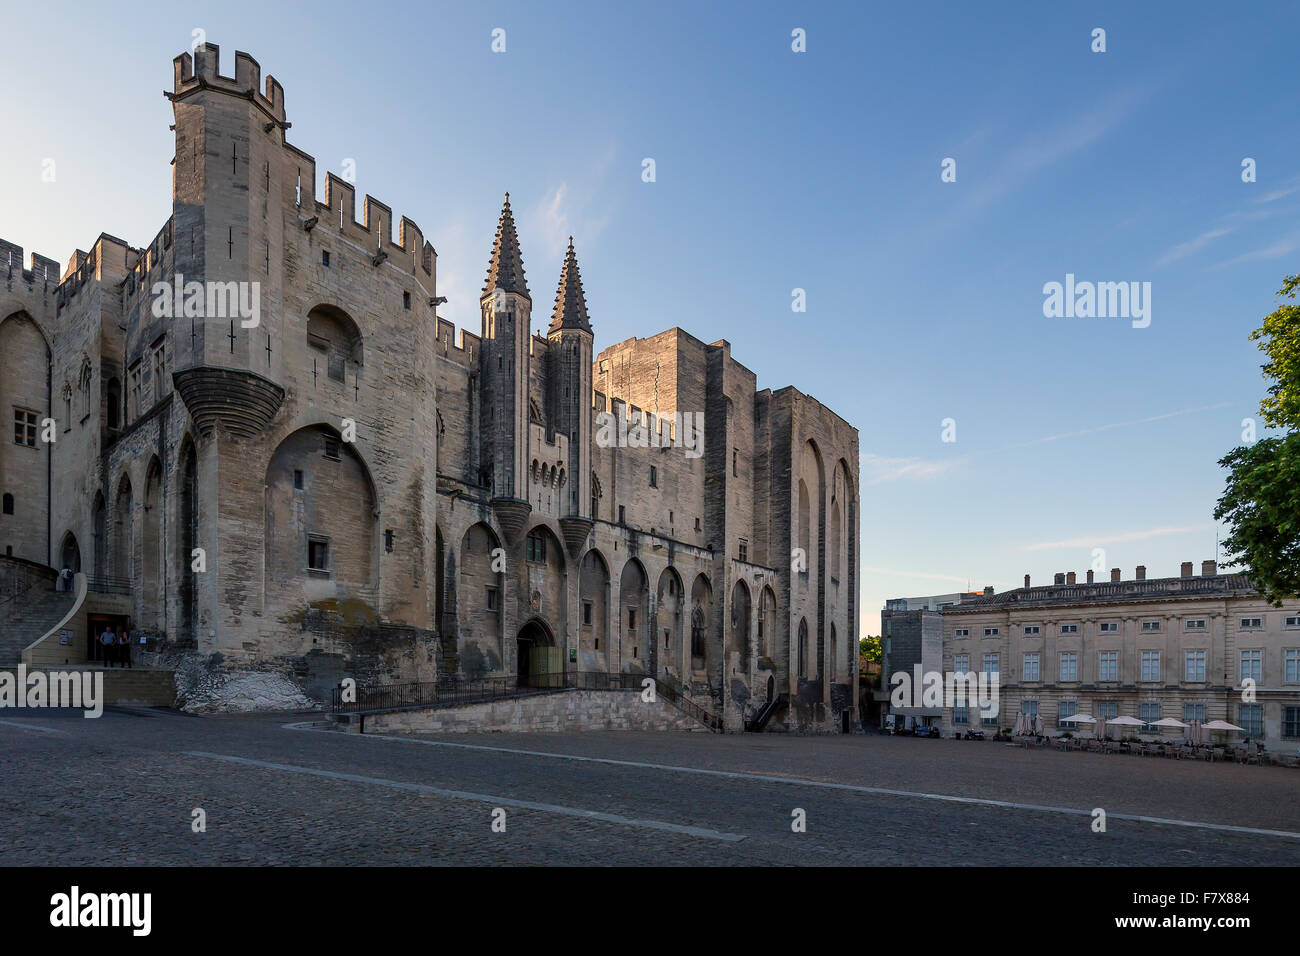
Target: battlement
202,71
467,353
374,233
639,423
42,268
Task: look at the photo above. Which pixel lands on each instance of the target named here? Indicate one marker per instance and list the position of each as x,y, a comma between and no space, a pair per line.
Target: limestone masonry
271,453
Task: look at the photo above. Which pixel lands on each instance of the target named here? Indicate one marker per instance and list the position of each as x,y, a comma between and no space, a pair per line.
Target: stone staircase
27,617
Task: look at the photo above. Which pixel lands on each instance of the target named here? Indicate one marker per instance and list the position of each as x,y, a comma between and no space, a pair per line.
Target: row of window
1148,627
1251,665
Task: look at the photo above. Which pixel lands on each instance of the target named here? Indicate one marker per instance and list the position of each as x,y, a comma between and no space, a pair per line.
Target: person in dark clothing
109,643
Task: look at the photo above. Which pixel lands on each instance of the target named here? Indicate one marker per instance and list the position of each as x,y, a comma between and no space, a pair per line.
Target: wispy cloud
1277,194
878,469
573,208
1114,425
1097,540
1283,247
1040,150
1185,249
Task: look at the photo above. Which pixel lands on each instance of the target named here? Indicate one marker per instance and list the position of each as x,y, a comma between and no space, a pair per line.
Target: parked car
927,732
974,735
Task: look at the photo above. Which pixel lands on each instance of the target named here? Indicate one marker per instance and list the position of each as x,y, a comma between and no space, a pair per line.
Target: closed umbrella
1038,725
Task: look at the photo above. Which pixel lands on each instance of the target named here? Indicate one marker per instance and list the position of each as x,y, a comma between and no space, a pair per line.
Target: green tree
869,648
1262,500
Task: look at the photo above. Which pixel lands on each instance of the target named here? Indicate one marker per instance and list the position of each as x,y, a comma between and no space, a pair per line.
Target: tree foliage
869,648
1261,502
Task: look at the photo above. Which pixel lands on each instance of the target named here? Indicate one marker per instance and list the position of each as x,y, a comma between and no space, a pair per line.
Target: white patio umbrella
1169,722
1019,729
1079,719
1038,725
1125,721
1223,725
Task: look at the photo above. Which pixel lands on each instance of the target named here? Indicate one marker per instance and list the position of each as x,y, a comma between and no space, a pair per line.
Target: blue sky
776,171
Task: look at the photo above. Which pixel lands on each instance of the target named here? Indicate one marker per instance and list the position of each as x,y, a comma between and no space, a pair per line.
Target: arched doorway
537,659
70,553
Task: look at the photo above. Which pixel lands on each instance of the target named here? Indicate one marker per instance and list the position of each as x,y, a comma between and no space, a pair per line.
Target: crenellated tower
507,314
569,394
227,228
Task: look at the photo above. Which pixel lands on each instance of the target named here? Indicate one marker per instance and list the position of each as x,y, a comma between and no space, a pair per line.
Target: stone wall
576,710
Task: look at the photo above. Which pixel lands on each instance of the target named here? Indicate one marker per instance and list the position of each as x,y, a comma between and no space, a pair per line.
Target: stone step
28,618
127,687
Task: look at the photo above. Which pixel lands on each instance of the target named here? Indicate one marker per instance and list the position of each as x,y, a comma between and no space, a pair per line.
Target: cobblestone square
282,790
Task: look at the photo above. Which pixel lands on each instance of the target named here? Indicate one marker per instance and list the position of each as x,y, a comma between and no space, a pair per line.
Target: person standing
107,641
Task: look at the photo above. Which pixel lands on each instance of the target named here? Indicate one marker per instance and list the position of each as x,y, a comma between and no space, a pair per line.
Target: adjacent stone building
268,447
1193,647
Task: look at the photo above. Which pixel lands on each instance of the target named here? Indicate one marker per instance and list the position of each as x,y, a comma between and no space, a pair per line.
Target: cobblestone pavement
122,789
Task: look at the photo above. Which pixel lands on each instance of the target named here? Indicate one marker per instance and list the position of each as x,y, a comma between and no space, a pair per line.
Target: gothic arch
633,616
122,561
321,521
334,339
670,606
24,370
542,577
152,603
701,621
479,599
768,644
70,552
593,610
738,628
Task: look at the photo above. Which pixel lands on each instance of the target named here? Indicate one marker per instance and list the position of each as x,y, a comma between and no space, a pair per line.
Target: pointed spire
570,304
506,270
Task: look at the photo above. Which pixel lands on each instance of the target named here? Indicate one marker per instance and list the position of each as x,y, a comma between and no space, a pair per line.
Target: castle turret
507,313
227,231
570,396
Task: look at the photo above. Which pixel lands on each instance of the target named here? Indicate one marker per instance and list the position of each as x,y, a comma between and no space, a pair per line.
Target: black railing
672,691
451,693
760,719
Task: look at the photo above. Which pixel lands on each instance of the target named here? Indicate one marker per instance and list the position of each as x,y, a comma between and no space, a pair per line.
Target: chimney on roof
988,589
1089,577
1058,578
1141,572
1187,569
1069,578
1114,575
1209,569
1026,580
